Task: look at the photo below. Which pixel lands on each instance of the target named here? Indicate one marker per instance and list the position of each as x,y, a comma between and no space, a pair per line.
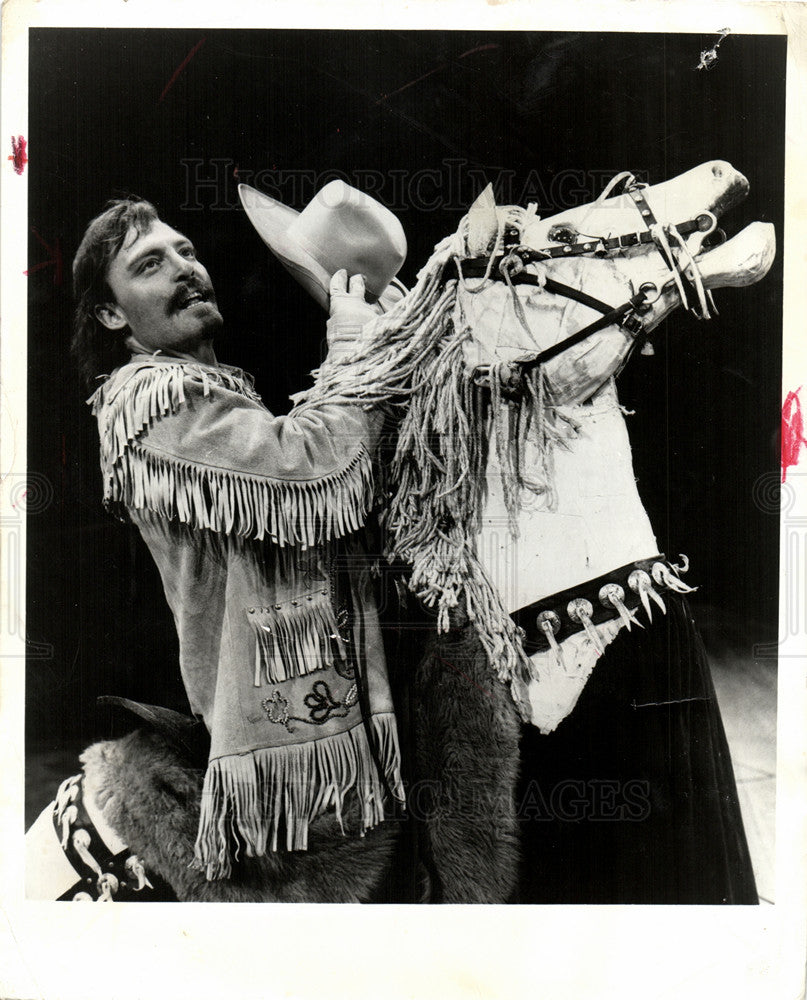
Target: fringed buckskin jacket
249,518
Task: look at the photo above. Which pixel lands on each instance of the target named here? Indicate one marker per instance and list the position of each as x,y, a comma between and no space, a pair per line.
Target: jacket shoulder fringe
287,513
246,797
140,392
298,513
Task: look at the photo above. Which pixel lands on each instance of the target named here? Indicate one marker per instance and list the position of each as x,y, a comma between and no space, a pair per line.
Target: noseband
510,266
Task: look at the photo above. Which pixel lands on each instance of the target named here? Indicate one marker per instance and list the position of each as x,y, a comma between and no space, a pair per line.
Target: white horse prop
512,494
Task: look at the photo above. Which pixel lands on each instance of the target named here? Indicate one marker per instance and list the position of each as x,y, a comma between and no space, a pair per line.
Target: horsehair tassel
581,610
640,583
612,595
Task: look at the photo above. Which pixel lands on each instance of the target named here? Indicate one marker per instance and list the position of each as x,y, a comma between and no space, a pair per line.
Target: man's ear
110,315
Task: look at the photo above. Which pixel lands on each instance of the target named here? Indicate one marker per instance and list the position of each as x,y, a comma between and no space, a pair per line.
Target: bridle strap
510,266
474,267
478,269
623,315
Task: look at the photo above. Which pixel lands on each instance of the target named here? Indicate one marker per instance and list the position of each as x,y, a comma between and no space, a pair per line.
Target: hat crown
344,228
341,227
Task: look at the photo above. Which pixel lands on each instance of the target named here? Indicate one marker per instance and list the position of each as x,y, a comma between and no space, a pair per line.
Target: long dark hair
96,350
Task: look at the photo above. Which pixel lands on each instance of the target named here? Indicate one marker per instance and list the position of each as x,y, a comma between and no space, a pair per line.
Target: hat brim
271,219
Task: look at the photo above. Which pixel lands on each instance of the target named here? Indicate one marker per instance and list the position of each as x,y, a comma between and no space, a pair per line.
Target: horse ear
483,223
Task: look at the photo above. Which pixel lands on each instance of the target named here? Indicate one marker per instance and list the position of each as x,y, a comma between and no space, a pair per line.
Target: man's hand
350,313
348,306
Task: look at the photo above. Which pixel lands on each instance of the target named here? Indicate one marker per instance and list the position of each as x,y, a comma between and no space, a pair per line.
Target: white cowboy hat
341,228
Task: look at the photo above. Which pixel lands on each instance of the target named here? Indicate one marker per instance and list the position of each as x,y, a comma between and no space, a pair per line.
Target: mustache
203,288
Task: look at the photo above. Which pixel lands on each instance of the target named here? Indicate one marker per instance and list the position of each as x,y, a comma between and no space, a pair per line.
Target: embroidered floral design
320,702
277,709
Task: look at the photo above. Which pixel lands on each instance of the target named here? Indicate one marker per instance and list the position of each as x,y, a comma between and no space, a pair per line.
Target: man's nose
183,266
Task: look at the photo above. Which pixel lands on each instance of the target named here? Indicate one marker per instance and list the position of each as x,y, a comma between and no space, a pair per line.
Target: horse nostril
717,171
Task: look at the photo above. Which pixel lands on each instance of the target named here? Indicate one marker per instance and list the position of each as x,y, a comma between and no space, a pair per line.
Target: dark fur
151,799
467,736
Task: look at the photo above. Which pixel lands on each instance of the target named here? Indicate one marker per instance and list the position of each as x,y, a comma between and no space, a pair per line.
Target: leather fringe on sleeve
288,512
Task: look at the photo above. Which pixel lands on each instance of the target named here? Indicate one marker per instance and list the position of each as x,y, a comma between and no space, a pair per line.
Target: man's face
162,293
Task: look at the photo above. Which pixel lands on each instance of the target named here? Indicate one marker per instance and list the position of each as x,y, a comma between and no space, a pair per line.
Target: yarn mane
412,367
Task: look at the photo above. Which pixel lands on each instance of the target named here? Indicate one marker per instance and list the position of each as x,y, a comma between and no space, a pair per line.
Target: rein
510,267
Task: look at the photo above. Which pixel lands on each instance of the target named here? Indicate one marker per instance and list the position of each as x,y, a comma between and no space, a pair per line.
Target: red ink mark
406,86
180,68
56,259
235,172
19,153
792,431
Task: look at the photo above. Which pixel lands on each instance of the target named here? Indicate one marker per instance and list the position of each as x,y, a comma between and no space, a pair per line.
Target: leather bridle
510,266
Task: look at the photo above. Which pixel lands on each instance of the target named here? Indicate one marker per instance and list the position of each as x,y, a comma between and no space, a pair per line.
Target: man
249,518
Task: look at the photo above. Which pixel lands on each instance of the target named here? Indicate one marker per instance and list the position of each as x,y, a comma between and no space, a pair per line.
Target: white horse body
597,522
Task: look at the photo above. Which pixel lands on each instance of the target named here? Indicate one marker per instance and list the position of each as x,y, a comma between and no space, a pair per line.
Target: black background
561,112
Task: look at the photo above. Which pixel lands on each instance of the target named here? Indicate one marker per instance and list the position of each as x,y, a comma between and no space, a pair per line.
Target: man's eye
188,252
149,264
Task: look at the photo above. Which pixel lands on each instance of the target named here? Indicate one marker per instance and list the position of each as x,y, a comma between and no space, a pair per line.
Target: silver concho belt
619,594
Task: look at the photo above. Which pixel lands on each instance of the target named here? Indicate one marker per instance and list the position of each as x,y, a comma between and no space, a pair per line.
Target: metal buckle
632,324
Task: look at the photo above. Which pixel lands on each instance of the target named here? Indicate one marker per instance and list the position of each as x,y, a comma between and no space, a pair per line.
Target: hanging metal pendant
683,566
81,845
581,610
69,817
613,596
641,584
549,624
107,885
135,869
665,577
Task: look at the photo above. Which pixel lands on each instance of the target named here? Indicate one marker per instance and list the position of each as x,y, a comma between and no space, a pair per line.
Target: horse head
648,250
